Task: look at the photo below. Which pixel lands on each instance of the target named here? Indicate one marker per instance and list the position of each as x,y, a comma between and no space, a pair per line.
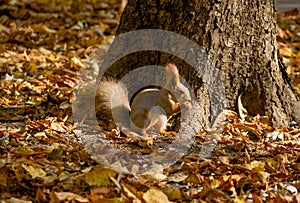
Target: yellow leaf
4,101
286,52
155,196
40,134
215,183
113,200
76,61
272,162
99,176
257,164
103,26
23,151
108,39
239,200
35,172
63,175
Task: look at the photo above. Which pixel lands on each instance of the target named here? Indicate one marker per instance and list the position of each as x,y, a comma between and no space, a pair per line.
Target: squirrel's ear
172,74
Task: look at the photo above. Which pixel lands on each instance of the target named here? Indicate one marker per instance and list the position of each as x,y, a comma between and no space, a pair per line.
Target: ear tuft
172,67
172,75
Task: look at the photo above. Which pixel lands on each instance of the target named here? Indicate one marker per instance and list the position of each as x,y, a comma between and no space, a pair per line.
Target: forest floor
44,45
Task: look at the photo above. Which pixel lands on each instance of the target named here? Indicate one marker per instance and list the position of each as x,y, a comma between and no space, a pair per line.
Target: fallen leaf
99,176
155,196
69,196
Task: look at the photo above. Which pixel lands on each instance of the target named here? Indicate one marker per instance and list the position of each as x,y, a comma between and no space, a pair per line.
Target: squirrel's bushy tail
111,103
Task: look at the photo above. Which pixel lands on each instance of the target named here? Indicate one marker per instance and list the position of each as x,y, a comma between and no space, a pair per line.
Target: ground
44,44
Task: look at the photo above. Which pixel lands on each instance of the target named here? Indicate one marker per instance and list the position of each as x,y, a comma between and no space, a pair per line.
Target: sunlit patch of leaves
288,38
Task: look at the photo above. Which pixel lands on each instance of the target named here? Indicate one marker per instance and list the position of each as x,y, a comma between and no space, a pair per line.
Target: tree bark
240,40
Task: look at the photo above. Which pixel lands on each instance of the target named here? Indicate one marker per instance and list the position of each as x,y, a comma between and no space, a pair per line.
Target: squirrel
149,110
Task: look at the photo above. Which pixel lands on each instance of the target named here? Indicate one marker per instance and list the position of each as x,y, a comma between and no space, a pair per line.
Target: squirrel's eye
181,92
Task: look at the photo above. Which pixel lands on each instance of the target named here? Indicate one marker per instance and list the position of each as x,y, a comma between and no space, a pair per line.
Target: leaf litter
43,48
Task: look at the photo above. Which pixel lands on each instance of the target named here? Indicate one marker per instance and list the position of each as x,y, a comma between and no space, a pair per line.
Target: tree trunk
240,40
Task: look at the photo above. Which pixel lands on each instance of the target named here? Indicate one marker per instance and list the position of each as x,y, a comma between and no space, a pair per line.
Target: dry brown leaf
155,196
69,196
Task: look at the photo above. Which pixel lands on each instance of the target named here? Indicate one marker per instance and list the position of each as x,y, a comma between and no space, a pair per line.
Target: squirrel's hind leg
158,119
139,121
